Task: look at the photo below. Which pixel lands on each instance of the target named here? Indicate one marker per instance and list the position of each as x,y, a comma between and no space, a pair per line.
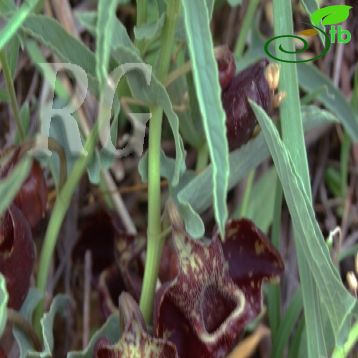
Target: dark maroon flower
32,197
97,234
110,286
125,275
257,82
134,341
251,258
204,309
17,255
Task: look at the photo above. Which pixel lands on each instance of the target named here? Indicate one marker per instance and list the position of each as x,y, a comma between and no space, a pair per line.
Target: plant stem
250,13
155,243
13,101
57,217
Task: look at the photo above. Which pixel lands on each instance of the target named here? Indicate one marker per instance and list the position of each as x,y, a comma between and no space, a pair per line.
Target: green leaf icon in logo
330,15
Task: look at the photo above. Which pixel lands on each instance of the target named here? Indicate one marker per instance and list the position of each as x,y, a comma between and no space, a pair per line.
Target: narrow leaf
311,78
206,79
51,34
105,27
110,330
4,297
150,30
336,300
15,22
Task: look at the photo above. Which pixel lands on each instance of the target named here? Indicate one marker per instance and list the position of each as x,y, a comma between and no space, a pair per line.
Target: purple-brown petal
17,255
97,234
204,298
135,341
32,196
251,257
240,119
226,66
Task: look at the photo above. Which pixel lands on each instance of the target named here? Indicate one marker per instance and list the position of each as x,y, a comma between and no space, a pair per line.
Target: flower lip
16,263
216,307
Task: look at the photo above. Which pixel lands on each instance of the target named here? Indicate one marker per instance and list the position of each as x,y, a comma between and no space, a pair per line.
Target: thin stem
57,217
13,101
178,72
155,243
246,25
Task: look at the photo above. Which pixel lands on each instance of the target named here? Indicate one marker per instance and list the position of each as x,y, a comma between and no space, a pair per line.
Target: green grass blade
15,22
312,79
4,298
286,327
292,132
205,72
50,33
106,11
338,304
342,352
311,6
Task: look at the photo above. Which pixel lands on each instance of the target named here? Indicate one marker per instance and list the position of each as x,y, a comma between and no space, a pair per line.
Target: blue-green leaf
337,303
311,6
149,30
262,215
12,183
205,72
50,33
106,11
4,298
234,2
310,79
16,21
59,305
110,330
24,344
